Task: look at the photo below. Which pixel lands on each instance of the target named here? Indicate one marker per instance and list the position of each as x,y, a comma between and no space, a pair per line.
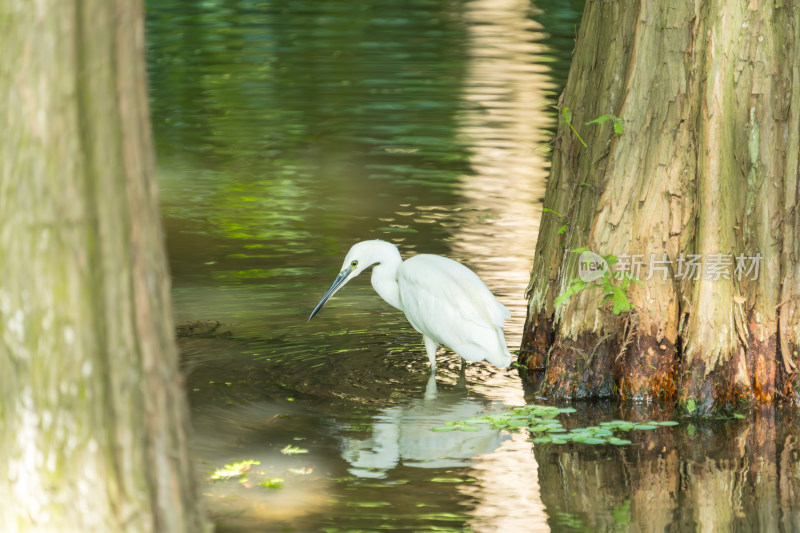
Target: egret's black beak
337,284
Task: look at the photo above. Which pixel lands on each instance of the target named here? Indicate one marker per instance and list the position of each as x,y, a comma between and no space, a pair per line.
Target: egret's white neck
384,278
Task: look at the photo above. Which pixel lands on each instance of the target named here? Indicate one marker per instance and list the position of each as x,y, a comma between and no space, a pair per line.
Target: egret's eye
354,263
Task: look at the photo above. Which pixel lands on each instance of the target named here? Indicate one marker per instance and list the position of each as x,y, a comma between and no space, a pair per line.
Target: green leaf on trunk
546,210
599,120
620,301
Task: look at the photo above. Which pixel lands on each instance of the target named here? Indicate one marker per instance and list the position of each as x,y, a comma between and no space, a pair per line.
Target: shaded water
287,131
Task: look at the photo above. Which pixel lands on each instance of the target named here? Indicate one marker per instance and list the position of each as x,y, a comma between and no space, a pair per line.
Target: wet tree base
602,366
647,369
640,366
535,344
579,369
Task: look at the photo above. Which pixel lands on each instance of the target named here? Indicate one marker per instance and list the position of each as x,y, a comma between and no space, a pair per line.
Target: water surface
287,131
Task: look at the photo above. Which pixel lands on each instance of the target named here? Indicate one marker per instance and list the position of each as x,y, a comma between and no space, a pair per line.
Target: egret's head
361,256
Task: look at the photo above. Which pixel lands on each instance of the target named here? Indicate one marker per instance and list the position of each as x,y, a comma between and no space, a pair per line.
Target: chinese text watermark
592,266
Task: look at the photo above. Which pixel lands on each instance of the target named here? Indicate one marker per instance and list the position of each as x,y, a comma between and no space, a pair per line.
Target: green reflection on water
297,88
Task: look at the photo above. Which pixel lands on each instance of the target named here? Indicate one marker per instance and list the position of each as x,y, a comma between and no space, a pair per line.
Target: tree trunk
93,415
706,167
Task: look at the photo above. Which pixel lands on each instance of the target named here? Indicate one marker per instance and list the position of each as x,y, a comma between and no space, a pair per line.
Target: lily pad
618,442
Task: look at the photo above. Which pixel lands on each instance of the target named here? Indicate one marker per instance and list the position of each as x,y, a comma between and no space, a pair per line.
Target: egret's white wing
448,302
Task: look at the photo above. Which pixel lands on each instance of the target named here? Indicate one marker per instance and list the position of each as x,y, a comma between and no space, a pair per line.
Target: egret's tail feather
502,357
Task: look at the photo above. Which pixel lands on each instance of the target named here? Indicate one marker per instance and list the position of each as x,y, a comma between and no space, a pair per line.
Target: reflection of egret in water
402,435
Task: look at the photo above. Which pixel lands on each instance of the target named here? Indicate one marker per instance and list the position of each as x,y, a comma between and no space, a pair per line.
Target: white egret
444,300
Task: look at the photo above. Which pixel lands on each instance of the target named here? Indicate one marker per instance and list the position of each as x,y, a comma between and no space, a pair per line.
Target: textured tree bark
93,413
707,165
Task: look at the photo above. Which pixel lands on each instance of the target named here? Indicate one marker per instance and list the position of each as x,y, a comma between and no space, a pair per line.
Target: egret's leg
431,346
431,391
461,384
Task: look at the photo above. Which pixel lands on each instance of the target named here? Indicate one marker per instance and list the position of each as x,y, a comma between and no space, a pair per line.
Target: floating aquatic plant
453,480
233,470
541,421
273,483
292,450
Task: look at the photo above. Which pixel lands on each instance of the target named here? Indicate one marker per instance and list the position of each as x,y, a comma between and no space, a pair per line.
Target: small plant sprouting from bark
566,118
564,220
520,364
617,122
614,285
